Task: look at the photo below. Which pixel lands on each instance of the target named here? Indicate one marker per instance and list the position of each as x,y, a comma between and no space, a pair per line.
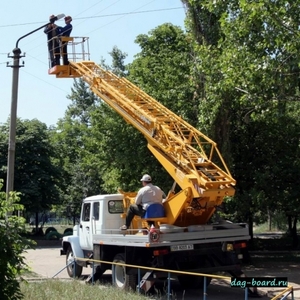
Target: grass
73,290
27,273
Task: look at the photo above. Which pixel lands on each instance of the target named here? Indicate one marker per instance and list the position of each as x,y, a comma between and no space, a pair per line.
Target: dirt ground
276,268
46,262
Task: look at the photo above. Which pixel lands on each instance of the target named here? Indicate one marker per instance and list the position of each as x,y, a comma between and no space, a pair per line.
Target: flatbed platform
126,238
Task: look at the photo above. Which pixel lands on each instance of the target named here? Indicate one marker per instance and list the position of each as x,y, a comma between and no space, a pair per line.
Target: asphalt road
47,263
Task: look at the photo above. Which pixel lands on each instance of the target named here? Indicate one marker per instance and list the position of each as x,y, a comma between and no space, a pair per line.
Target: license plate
182,247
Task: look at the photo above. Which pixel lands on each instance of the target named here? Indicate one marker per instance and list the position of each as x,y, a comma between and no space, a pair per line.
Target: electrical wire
122,15
101,16
131,13
119,18
89,8
22,70
85,19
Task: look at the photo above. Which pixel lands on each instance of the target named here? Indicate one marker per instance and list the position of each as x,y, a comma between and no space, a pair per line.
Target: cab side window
86,212
96,211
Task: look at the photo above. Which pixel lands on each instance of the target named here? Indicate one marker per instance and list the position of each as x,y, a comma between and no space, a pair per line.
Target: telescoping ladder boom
185,152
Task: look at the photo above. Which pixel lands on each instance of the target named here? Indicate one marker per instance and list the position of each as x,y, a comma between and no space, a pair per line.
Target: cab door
85,227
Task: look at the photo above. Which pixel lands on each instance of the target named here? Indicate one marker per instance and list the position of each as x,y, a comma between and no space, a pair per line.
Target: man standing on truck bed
147,195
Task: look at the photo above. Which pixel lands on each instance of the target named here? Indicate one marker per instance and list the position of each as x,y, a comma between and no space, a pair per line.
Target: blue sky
107,23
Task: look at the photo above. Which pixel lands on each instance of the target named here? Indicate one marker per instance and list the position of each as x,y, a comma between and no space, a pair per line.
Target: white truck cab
99,214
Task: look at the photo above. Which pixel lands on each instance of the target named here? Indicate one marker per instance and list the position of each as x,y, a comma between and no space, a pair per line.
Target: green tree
162,70
36,178
163,67
71,136
116,141
12,246
122,155
248,68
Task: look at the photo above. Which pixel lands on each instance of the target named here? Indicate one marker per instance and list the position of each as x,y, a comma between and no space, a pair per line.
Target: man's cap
51,17
146,178
68,18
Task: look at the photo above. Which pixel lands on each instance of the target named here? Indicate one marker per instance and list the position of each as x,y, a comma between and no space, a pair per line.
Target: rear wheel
73,269
120,278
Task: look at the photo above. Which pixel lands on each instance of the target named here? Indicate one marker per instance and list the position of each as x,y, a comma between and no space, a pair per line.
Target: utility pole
13,120
13,112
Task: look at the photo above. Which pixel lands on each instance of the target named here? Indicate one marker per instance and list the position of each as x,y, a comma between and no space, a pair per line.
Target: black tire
68,233
50,229
120,279
72,267
53,235
68,230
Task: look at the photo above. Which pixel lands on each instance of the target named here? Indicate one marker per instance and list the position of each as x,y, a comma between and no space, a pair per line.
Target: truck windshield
115,206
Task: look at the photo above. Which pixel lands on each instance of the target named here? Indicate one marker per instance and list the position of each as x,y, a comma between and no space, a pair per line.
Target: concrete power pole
13,120
13,113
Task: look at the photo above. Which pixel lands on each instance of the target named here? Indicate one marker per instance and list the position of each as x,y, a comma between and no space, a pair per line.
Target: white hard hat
146,178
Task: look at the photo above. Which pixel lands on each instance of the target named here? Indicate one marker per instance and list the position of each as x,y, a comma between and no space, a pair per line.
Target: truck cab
99,214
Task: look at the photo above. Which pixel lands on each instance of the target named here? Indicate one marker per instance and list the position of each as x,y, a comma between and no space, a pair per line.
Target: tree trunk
36,221
290,223
250,224
269,220
294,233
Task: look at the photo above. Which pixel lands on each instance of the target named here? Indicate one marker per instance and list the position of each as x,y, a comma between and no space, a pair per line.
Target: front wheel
120,278
73,269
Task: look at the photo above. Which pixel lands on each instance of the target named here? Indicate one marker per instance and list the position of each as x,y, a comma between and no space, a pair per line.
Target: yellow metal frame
185,152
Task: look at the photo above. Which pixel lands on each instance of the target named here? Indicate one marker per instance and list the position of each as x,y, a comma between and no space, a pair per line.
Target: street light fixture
13,112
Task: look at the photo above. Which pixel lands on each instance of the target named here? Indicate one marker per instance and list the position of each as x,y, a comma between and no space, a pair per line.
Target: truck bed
219,233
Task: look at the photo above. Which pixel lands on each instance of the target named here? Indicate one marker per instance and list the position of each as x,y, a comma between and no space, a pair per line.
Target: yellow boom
191,158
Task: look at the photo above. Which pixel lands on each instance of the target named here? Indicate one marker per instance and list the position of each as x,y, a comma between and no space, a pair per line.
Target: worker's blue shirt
65,31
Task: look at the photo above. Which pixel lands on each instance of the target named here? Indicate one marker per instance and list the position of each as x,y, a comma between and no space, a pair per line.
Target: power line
47,82
101,16
103,9
89,8
122,16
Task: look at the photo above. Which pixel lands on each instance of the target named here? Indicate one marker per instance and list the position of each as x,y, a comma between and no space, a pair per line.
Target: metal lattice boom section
190,150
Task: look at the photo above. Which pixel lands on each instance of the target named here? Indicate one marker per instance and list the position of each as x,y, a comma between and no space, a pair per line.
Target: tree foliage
117,150
72,136
163,67
248,67
12,246
36,178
